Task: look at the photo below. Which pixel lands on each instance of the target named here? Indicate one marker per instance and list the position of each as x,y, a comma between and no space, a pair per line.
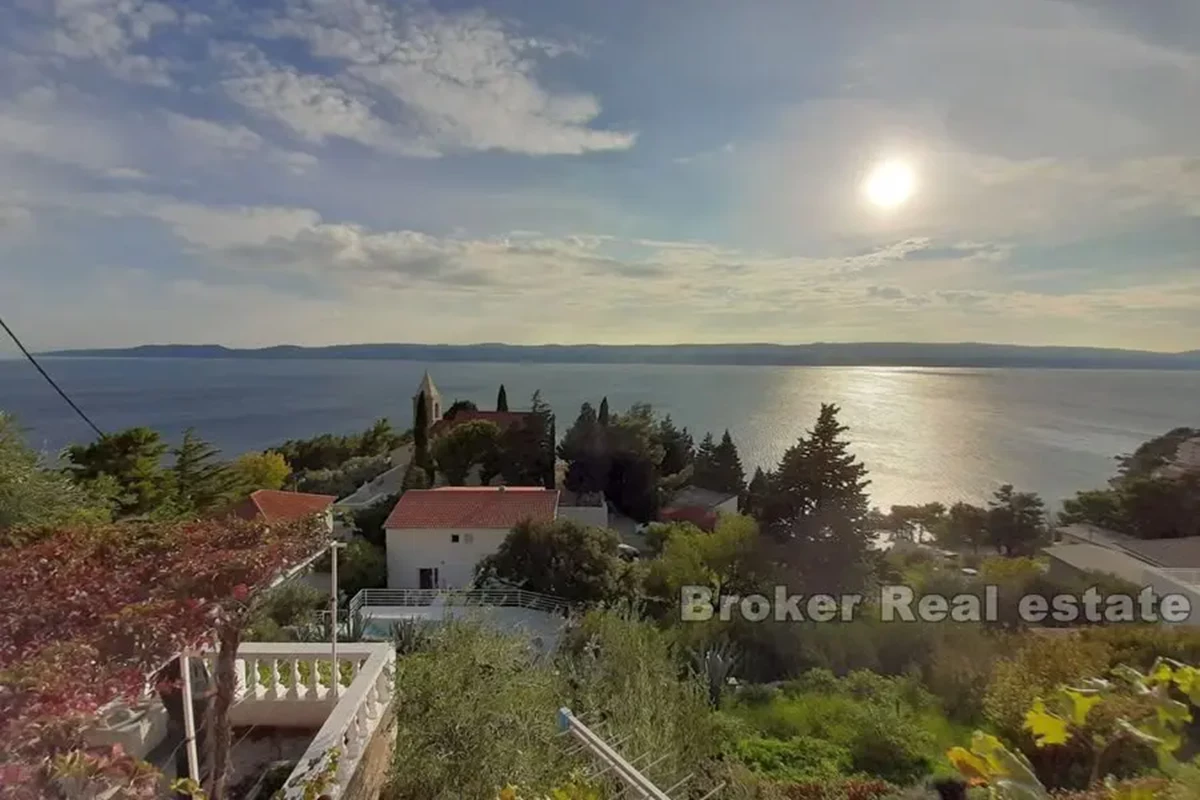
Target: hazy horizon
797,344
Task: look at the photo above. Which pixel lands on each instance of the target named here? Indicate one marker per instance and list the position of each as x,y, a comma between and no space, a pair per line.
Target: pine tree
133,459
1015,521
756,492
201,482
603,417
704,465
729,476
818,508
676,443
542,417
584,450
502,399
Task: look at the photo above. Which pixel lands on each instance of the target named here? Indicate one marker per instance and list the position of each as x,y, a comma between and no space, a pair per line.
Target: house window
454,538
470,538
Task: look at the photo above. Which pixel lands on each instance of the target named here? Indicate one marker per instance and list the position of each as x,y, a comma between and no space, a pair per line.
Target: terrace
288,709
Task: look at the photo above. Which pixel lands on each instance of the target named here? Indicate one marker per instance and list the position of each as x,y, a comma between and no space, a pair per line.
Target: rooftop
473,507
1178,553
1095,558
277,506
503,419
696,497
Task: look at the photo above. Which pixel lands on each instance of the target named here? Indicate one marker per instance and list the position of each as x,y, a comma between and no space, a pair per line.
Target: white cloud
204,138
108,31
229,227
33,125
455,82
209,134
125,174
15,221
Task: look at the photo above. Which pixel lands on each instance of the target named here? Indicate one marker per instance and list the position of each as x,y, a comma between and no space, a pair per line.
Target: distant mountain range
817,354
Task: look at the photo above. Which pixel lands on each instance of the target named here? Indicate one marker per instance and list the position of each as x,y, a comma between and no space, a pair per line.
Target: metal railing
610,762
494,598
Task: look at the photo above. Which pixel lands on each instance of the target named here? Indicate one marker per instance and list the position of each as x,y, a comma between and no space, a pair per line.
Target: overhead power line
49,380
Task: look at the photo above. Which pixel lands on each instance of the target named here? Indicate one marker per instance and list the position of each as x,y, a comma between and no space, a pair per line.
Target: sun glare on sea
890,184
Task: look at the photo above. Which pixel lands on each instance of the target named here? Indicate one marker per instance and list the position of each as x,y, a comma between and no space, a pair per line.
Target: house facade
435,537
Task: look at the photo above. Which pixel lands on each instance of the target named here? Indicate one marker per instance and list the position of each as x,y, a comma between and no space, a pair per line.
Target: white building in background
435,537
1187,459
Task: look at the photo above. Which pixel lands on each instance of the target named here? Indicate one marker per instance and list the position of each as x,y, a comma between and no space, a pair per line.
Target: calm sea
925,434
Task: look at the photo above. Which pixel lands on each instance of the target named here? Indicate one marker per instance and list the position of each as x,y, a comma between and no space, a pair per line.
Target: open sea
924,434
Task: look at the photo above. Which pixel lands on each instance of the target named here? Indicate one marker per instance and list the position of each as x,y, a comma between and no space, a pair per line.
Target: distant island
873,354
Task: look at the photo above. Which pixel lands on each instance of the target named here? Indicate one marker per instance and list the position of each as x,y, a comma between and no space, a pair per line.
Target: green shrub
797,759
757,694
846,789
475,712
877,720
1039,665
288,605
361,565
624,672
1140,645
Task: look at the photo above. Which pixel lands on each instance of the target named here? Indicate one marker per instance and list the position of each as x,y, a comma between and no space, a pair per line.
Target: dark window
454,537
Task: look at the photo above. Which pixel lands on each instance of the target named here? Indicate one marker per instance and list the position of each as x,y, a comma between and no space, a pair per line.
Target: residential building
435,537
698,506
1168,566
1187,459
277,506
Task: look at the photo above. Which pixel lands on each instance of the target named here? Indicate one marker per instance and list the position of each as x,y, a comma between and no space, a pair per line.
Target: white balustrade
346,721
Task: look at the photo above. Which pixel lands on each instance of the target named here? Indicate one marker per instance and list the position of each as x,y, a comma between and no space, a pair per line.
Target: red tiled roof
276,506
503,419
473,507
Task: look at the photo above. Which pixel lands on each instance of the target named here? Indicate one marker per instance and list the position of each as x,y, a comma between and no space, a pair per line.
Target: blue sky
319,171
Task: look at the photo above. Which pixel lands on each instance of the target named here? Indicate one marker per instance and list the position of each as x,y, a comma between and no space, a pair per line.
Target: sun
890,184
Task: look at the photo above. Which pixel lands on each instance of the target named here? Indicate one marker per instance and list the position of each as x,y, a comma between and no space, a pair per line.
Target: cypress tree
502,399
603,416
421,434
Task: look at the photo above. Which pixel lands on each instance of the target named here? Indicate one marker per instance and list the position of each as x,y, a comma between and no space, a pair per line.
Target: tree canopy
502,399
562,558
465,446
457,406
254,471
816,506
138,593
1016,521
133,458
201,482
32,495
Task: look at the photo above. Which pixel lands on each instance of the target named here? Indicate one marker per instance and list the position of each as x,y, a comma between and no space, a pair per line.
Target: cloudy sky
318,171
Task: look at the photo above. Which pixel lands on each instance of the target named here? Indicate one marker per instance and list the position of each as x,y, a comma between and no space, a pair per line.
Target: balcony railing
293,685
497,598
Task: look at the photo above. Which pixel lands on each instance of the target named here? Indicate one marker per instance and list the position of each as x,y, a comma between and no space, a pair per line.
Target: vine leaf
1047,728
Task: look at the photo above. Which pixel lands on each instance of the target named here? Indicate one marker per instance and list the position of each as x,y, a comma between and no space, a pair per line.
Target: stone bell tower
433,400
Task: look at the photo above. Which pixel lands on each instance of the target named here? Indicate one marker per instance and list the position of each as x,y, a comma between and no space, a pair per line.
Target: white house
1187,459
435,537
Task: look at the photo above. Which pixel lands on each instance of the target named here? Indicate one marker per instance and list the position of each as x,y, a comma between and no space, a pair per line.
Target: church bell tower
433,399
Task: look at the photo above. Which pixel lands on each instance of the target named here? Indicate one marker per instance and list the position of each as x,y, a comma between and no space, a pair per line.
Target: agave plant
714,665
355,629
